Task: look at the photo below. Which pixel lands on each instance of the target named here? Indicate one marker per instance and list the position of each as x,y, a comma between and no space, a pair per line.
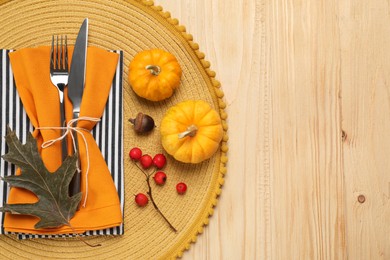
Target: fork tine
52,53
57,57
66,53
61,59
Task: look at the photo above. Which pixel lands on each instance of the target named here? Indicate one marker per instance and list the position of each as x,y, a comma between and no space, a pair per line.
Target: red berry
146,161
159,160
181,188
141,199
160,178
135,154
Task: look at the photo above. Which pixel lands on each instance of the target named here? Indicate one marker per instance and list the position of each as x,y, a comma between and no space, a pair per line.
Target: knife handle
75,183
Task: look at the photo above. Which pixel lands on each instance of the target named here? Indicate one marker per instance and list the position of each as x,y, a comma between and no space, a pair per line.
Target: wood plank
231,34
365,77
307,208
308,103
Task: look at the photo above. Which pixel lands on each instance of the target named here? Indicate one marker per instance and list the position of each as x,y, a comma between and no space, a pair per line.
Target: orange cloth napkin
41,101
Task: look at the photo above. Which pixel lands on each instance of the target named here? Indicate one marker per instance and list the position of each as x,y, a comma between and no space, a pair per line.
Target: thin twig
151,198
146,175
155,205
81,238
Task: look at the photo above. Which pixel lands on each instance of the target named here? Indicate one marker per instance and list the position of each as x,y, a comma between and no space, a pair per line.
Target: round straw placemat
131,26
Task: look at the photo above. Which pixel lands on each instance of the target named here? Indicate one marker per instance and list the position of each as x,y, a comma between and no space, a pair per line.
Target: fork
59,74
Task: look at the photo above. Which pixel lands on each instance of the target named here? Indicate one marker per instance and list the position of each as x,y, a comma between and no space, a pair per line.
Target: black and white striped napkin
108,134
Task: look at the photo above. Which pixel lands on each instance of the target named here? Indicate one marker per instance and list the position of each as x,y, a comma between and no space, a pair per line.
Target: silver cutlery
76,87
59,77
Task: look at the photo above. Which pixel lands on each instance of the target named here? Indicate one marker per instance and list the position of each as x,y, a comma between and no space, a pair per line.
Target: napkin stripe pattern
12,115
108,135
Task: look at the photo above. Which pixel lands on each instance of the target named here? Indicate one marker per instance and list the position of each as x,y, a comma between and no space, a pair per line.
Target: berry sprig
160,178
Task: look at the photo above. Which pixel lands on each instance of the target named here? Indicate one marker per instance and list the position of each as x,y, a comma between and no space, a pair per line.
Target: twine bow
69,130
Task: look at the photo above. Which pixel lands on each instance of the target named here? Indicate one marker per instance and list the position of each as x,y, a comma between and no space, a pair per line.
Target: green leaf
54,208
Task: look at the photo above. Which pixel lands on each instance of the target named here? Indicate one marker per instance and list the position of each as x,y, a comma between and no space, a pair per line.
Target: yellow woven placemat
130,26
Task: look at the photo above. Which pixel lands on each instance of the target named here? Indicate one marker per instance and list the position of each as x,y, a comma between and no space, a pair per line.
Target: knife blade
76,88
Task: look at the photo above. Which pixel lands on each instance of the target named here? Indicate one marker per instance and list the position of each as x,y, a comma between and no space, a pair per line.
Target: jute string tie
69,128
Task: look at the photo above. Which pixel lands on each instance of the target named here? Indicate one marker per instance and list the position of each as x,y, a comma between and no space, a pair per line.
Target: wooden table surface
307,85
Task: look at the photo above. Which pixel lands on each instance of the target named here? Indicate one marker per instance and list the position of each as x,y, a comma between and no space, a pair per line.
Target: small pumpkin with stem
191,131
154,74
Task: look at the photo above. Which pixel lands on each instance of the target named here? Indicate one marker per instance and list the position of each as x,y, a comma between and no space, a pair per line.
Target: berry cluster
146,162
159,161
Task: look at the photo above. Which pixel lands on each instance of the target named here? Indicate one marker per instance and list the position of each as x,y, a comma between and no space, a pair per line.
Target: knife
76,88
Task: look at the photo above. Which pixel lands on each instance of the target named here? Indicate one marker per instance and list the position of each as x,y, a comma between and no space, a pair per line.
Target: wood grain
307,88
307,189
365,53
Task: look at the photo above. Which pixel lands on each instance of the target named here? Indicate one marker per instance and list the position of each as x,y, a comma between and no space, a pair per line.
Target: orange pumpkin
191,131
154,74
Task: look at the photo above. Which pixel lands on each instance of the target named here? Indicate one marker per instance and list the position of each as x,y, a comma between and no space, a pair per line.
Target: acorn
142,123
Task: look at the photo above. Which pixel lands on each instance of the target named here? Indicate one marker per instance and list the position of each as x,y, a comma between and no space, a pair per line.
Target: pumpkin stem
191,131
154,69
